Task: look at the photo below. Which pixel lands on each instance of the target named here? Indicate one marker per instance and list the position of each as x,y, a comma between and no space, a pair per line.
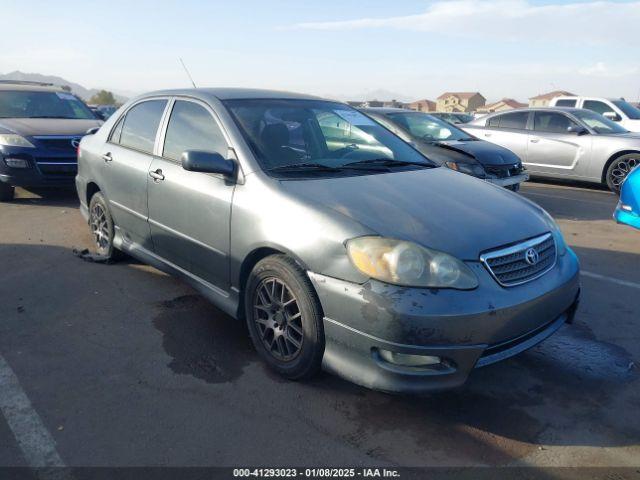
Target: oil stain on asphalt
203,341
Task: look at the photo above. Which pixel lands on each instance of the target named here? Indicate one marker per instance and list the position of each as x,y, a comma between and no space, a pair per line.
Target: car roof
383,110
537,109
234,93
29,87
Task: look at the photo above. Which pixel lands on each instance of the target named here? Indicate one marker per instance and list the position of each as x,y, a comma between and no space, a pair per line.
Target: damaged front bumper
415,340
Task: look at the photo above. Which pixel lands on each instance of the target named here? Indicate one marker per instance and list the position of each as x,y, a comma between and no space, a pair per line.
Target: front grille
58,143
57,165
503,171
522,262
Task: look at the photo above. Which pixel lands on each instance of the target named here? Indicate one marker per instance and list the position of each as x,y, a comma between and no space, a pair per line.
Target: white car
616,109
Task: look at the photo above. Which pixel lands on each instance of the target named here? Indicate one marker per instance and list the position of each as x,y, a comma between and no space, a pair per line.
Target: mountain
82,92
378,94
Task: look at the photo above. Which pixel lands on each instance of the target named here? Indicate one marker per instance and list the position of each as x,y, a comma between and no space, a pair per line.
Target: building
460,102
372,104
543,100
501,105
423,105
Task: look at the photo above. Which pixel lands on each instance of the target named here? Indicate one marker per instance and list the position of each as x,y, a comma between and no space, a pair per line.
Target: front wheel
284,317
7,192
619,169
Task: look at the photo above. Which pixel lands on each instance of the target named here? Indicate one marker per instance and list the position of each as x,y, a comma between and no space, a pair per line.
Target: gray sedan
566,143
339,244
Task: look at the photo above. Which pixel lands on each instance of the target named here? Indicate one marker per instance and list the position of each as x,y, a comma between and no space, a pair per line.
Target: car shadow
54,197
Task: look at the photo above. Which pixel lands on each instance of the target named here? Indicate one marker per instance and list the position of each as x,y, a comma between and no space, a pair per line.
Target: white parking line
35,441
617,281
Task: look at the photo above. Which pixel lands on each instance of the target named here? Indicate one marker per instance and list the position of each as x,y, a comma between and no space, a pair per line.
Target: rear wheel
284,317
619,169
7,192
102,227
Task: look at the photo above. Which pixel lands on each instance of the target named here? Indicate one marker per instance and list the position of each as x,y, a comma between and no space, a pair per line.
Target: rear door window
191,127
512,121
140,125
566,103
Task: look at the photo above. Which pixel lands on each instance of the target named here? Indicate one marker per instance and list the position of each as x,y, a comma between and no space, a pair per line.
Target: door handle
535,140
156,175
107,157
487,134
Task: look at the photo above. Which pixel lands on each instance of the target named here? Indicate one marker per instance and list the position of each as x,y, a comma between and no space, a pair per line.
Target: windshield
428,128
629,110
598,123
25,104
299,134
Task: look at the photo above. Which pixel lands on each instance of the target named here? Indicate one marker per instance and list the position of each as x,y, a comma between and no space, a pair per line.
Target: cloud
597,22
601,69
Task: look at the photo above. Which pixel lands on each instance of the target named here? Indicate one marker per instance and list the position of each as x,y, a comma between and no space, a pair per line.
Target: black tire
271,327
619,169
100,220
7,192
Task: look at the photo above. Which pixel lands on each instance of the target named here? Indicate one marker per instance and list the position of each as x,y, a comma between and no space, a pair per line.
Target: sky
406,49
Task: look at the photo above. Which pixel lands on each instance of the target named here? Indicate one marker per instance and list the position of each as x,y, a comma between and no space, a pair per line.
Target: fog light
16,162
407,360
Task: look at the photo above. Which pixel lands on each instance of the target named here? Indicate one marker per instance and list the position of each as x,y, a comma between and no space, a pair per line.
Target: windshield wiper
385,162
319,167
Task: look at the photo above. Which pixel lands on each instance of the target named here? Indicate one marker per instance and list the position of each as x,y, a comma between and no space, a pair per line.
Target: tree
103,97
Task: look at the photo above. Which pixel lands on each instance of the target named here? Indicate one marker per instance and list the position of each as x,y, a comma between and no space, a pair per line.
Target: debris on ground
87,256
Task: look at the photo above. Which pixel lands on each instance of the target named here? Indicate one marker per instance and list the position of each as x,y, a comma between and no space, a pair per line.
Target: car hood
483,152
437,208
30,127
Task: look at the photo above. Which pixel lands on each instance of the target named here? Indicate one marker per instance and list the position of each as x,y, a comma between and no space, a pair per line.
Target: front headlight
405,263
561,245
13,140
474,169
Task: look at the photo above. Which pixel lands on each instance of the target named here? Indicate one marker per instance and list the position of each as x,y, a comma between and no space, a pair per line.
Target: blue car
628,211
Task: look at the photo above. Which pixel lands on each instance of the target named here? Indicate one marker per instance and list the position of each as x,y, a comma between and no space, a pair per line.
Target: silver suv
338,243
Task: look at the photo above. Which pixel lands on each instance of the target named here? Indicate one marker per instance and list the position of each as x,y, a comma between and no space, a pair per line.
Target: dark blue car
40,130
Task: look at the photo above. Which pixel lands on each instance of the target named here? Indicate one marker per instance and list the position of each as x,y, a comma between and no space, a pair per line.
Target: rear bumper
464,330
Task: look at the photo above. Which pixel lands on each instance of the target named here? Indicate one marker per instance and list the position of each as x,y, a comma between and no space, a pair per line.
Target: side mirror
207,162
577,129
613,116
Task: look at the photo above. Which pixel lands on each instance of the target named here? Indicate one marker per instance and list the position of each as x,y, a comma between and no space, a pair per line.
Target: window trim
123,118
164,125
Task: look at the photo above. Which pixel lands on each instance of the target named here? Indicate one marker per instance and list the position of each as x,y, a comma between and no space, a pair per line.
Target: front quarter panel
265,217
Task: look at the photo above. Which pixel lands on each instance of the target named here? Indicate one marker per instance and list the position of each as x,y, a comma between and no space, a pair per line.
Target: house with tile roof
543,99
423,105
501,105
460,102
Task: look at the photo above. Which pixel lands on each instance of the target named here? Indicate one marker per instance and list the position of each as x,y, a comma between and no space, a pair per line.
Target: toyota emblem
531,256
75,142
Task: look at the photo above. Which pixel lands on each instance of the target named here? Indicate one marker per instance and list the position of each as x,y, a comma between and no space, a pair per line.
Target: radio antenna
187,72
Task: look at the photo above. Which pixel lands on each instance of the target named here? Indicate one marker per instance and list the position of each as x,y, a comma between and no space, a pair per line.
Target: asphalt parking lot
124,365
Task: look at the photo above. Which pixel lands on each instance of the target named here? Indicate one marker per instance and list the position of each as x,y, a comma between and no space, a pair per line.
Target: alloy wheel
622,169
99,227
279,320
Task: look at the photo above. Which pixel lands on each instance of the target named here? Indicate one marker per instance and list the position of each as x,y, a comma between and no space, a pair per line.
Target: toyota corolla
339,244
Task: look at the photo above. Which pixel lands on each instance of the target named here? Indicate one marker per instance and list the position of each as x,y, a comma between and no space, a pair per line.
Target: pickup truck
616,109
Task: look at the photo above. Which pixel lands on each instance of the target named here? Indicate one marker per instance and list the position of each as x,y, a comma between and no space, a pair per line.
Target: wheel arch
250,261
92,189
611,159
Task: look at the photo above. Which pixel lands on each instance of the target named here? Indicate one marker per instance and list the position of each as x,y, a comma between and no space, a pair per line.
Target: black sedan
447,145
